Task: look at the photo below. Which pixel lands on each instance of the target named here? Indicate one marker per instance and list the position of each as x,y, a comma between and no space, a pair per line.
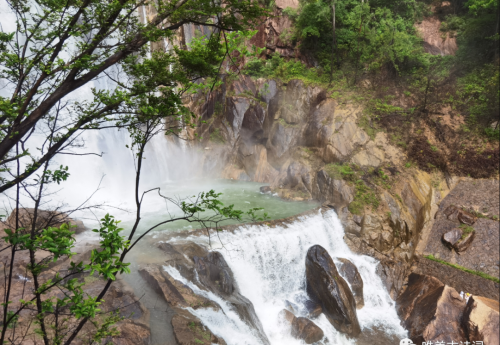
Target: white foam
269,267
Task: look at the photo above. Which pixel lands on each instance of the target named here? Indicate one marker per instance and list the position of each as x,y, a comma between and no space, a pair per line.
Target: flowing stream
269,268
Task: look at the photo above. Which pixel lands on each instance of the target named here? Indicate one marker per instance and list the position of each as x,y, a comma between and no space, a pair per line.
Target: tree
56,48
60,46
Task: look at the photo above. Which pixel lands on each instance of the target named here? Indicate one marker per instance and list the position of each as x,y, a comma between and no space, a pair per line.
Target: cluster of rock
433,311
456,238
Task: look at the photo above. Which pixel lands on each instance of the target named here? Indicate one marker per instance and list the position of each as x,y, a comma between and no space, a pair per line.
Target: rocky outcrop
215,274
301,327
431,311
327,287
44,219
393,275
350,272
481,320
435,41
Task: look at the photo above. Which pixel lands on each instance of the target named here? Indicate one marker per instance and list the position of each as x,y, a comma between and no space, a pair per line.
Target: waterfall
268,264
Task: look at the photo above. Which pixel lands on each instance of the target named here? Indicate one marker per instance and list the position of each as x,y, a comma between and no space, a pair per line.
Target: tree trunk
334,43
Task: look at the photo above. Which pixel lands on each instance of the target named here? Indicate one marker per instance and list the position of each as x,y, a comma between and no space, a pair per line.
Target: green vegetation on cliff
458,267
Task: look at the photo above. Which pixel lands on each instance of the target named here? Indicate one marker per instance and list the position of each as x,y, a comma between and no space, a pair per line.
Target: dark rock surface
483,254
431,311
301,327
481,320
214,272
313,309
350,272
326,286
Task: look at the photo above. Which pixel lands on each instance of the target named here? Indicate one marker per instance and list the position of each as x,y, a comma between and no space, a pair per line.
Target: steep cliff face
296,139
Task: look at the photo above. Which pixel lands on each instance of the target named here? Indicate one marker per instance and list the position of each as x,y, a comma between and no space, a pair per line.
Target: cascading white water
269,267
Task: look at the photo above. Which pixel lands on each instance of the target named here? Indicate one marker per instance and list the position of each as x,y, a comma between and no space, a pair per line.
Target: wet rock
313,309
174,292
265,189
348,270
286,316
306,330
189,330
215,274
481,320
213,271
327,287
291,306
452,237
301,327
431,311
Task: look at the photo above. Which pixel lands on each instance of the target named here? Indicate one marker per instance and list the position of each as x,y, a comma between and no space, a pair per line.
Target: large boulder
481,320
44,219
431,311
214,272
326,286
350,272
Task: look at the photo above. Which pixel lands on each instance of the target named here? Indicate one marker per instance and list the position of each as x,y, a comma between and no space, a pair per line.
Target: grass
364,123
339,171
466,230
364,196
477,273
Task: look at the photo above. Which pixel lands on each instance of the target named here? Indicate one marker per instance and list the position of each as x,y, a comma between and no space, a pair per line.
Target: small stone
451,238
467,218
306,330
265,189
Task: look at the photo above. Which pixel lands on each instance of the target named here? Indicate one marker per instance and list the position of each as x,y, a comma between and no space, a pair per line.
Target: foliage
368,34
364,196
466,230
339,171
56,48
461,268
479,92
